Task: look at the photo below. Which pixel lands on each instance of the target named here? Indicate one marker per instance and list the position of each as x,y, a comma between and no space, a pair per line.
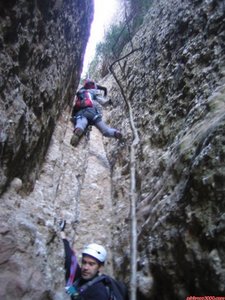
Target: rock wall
42,47
74,184
175,86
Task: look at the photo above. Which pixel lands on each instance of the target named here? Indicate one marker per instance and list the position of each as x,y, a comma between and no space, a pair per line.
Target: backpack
117,290
83,99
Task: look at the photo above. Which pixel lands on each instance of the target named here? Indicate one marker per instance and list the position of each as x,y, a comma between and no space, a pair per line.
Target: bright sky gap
104,12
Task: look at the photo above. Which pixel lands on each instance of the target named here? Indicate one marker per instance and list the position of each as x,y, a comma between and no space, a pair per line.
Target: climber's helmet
96,251
87,80
89,84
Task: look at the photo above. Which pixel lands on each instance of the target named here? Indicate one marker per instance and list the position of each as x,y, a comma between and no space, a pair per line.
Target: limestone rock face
175,89
42,46
175,86
74,185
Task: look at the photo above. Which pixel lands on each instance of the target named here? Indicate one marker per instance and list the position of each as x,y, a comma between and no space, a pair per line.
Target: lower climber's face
89,267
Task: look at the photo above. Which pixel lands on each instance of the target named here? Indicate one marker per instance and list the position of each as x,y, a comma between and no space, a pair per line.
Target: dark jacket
96,291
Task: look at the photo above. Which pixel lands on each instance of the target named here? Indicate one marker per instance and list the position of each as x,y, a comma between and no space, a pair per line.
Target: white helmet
96,251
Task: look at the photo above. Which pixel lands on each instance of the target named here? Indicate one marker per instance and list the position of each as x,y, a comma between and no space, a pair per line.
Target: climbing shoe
76,137
74,140
118,135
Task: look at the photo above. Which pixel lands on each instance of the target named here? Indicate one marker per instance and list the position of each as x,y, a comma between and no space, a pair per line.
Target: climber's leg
108,131
81,124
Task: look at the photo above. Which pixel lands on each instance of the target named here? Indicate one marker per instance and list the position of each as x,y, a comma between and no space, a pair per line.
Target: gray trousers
82,123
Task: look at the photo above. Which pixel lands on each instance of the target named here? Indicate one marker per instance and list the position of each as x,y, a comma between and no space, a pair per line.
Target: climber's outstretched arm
72,268
102,88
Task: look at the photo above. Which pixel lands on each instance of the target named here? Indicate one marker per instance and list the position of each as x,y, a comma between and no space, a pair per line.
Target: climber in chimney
84,282
77,277
86,111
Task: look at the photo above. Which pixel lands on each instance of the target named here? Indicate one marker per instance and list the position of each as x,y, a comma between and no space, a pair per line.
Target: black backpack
117,290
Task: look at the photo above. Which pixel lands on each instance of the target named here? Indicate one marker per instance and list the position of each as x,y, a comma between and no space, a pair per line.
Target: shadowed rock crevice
42,50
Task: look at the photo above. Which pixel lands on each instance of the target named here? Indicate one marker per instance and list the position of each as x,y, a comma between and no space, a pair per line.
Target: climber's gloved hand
62,225
71,290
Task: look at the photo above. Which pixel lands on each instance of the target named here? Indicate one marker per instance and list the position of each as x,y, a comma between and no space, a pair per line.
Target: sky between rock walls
104,13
